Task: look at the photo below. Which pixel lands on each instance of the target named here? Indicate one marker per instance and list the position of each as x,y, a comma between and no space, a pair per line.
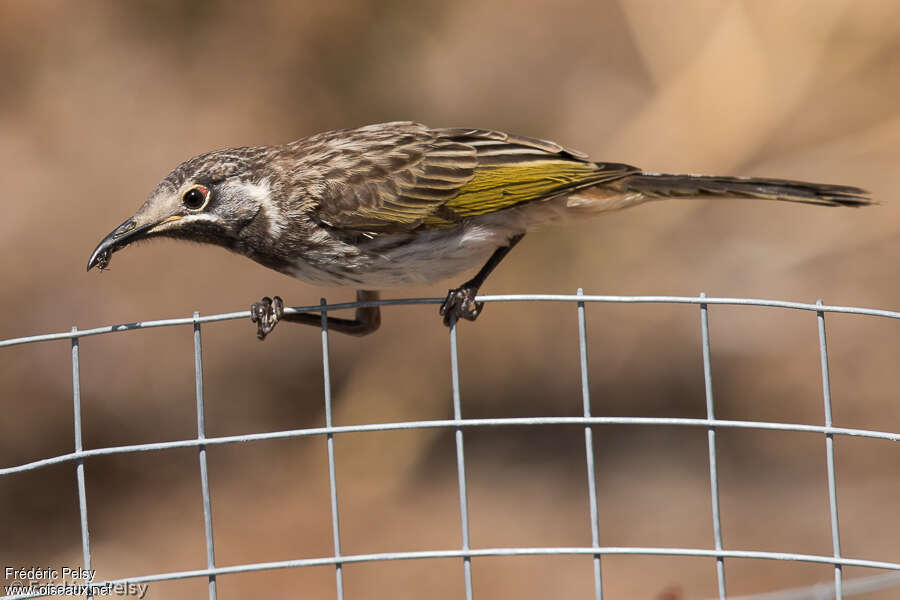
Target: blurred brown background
100,99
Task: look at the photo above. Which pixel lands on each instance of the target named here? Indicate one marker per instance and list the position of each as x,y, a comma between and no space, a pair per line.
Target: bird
400,203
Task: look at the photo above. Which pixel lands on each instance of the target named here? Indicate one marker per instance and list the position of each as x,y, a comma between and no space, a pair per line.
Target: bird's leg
460,302
269,311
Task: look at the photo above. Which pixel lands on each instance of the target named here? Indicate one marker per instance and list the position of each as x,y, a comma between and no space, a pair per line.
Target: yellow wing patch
497,188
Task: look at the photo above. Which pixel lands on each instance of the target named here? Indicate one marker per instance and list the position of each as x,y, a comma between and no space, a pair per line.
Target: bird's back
402,176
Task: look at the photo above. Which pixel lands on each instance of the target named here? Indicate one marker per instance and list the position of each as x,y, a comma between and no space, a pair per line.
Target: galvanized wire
589,447
466,552
79,464
332,472
711,440
829,456
460,462
204,472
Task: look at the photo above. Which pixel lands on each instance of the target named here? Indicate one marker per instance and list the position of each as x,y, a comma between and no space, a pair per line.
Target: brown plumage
400,203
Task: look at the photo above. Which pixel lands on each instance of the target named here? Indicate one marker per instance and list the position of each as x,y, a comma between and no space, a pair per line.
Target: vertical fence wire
829,455
79,464
201,449
332,476
589,447
460,461
711,438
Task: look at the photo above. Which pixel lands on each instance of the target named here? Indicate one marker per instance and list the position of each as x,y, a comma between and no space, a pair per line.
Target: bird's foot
460,304
266,313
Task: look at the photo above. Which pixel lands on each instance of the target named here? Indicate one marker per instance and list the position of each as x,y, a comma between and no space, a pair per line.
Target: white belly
422,258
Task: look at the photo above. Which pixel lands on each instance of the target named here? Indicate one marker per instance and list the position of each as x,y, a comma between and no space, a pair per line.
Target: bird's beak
129,231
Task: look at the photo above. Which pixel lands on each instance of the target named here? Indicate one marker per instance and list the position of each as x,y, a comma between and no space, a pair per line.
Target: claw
460,304
266,313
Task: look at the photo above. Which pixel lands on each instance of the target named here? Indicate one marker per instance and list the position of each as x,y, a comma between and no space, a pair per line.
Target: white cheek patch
262,193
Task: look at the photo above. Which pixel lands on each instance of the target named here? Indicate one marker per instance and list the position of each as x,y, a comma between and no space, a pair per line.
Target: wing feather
402,176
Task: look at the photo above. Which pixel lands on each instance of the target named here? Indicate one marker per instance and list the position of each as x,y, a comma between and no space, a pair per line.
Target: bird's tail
661,185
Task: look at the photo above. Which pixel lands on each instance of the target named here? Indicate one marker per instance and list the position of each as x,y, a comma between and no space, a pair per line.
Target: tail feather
661,185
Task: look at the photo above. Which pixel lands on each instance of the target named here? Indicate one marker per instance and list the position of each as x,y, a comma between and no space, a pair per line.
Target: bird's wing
410,177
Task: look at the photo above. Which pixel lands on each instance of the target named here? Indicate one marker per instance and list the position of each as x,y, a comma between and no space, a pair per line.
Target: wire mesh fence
718,551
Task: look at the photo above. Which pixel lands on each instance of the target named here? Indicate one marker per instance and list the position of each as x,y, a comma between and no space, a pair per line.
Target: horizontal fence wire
485,552
574,298
466,552
450,424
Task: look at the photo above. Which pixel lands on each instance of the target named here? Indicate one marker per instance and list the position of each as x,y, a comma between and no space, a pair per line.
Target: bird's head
210,198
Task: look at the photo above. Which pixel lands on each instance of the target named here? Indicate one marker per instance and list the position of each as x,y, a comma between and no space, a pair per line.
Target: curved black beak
121,236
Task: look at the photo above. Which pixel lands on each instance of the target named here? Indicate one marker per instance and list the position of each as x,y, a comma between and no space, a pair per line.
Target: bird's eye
195,198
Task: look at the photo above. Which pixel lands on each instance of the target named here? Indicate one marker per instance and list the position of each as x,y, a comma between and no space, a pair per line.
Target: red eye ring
195,198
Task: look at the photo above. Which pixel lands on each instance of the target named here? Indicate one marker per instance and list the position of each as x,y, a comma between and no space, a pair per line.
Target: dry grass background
101,98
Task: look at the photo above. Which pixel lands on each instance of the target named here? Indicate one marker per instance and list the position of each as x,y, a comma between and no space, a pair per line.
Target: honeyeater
401,203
